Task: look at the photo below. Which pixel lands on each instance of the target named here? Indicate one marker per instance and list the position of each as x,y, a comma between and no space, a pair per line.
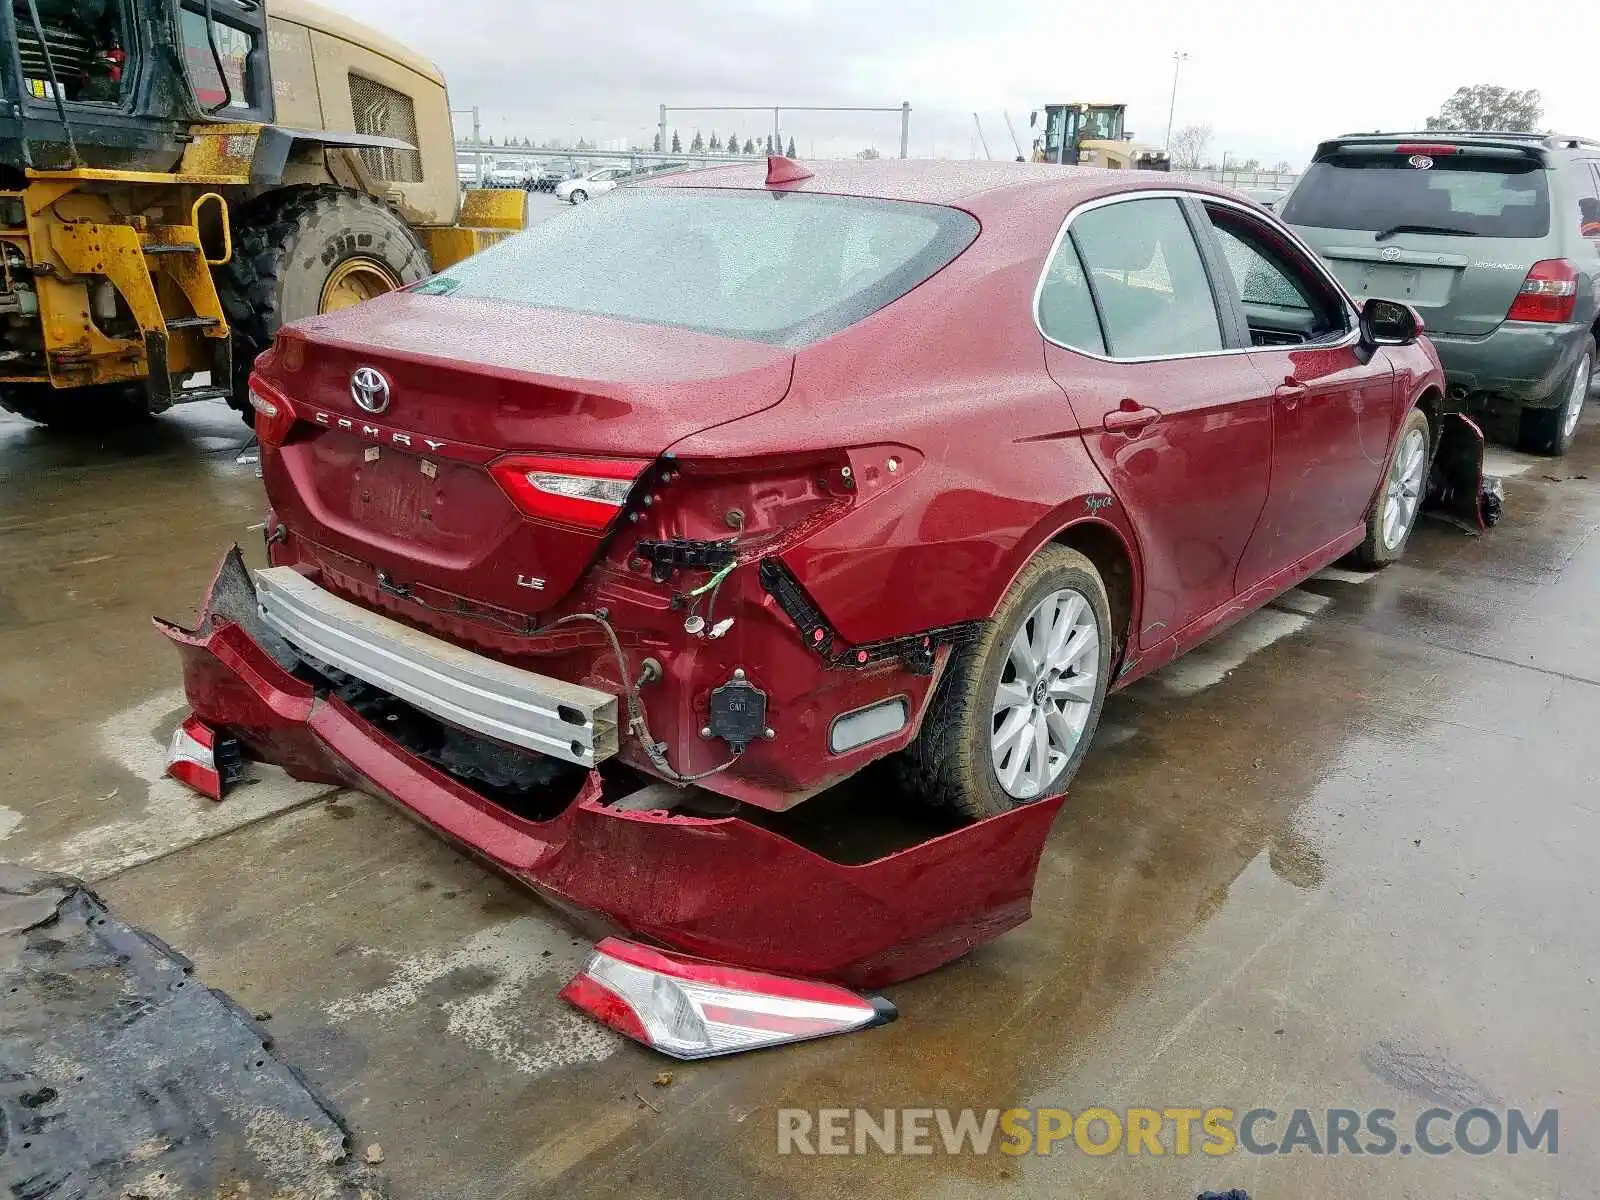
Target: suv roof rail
1552,141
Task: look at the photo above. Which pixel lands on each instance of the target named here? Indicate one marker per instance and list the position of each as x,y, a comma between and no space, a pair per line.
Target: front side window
783,268
1284,300
1148,279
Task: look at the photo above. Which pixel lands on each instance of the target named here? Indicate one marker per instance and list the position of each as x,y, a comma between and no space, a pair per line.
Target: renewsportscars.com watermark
1159,1131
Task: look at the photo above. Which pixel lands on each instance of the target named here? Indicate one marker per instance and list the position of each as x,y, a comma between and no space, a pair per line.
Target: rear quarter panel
953,371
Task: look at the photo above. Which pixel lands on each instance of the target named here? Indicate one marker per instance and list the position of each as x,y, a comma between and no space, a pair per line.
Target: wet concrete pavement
1342,857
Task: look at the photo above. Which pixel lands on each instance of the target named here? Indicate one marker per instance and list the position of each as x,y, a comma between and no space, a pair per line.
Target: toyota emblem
369,389
1390,253
1420,161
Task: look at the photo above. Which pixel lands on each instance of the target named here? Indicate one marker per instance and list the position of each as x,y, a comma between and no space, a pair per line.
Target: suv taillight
1548,294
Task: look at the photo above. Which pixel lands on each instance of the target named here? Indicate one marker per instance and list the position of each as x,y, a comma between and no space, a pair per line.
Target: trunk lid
406,491
1449,226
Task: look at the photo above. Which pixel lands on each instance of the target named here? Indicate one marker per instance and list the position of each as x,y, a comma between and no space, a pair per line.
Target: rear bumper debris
719,888
1458,491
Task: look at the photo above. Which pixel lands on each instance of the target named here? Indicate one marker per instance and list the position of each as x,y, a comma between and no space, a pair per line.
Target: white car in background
595,183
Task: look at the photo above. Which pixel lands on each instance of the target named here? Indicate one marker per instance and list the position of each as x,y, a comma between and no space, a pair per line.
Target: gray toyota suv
1494,238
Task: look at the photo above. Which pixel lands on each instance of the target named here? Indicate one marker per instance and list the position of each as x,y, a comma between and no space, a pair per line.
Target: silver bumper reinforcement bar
564,720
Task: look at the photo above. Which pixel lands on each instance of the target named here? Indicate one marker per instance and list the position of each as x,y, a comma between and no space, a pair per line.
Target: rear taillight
275,416
691,1008
586,492
1431,149
1549,293
204,759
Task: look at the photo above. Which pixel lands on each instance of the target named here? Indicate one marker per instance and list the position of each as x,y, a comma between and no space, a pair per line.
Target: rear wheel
1015,714
1550,430
304,251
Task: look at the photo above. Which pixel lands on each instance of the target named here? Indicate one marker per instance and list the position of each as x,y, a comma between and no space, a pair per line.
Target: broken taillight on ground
693,1008
202,758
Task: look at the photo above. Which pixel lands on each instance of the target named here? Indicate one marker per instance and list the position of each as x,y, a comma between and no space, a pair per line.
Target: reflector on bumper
692,1008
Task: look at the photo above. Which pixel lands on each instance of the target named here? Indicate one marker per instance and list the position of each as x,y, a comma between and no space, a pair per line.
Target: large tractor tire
85,410
308,250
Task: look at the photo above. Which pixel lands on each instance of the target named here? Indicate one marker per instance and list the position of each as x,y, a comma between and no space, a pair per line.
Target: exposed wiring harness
637,724
714,581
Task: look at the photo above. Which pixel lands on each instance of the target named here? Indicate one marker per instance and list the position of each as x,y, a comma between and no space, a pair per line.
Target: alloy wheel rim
1046,690
1578,393
1404,491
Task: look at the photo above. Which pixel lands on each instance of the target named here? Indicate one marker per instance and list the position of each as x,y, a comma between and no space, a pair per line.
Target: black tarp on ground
122,1075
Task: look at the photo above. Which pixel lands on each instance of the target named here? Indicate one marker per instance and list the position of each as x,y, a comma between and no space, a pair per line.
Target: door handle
1290,392
1131,418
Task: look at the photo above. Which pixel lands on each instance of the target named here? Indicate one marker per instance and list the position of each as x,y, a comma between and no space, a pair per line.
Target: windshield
1464,194
783,268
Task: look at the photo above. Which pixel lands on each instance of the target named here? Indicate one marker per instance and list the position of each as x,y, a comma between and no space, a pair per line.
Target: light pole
1177,61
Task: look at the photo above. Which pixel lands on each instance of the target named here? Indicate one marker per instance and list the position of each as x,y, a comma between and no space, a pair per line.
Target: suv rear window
1469,195
784,268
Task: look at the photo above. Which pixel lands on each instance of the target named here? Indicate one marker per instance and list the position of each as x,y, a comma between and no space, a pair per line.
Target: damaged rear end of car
502,591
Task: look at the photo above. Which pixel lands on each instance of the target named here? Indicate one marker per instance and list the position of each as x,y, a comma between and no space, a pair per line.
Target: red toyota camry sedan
751,476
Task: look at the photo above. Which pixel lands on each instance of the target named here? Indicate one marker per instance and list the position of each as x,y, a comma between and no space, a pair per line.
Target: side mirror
1389,323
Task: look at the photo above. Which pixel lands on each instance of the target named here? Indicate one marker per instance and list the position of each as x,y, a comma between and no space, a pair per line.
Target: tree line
719,145
697,145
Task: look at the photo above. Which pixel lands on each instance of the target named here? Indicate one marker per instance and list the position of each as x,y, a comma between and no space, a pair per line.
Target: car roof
942,182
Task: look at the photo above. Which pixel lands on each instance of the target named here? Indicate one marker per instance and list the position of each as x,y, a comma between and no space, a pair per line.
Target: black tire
286,245
950,763
85,410
578,196
1549,431
1376,551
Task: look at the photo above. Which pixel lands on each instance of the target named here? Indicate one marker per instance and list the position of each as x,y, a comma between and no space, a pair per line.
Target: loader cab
116,84
1068,126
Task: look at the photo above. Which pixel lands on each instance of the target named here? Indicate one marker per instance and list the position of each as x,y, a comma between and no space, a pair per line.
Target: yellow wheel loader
1092,135
180,177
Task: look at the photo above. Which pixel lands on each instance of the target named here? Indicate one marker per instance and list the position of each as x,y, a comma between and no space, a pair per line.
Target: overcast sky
1269,77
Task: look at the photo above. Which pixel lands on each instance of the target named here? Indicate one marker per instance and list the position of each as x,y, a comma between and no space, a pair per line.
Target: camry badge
369,389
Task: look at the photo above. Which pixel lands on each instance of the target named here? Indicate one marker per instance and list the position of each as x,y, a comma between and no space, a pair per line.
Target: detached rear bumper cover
718,888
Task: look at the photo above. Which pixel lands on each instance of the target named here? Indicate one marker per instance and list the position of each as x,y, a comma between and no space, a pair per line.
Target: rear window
1466,195
784,268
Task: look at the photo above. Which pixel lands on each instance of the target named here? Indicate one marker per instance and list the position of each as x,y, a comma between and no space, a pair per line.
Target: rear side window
1148,279
1066,306
1466,195
1588,188
788,268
